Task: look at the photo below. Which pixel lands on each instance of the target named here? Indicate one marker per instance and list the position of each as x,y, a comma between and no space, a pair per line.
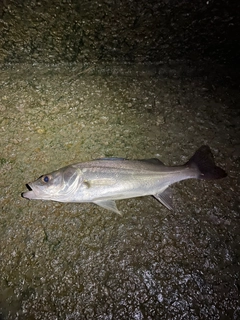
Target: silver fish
102,181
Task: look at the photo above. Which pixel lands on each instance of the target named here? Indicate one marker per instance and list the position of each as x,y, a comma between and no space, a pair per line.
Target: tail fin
203,160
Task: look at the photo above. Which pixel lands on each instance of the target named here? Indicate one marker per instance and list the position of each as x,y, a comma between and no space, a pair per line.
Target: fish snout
29,194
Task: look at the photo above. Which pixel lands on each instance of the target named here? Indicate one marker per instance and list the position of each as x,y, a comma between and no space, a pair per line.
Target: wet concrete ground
79,261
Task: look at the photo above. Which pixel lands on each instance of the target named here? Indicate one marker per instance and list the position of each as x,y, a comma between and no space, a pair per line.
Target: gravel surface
79,261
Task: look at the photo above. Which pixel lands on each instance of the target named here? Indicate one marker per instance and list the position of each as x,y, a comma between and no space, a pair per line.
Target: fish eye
45,179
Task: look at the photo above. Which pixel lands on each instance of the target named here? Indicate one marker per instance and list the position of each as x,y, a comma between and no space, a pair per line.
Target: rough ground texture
137,30
78,261
139,79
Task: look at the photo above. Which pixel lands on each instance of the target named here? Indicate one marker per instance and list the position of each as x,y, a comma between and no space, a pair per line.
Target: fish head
53,186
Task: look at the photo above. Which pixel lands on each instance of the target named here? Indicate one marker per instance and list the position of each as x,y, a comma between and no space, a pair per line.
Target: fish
103,181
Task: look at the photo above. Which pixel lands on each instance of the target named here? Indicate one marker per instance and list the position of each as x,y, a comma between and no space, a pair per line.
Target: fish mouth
29,194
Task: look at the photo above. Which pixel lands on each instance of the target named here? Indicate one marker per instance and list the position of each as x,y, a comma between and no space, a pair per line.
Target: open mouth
29,194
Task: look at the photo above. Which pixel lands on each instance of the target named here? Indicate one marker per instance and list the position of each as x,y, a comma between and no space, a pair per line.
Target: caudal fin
203,161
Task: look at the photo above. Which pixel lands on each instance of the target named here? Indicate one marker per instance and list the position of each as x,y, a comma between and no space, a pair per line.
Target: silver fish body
102,181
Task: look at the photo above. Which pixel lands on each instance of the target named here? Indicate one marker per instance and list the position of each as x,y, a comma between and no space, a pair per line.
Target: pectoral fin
165,198
109,205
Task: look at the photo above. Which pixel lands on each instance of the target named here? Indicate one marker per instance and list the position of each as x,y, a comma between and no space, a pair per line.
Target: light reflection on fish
102,181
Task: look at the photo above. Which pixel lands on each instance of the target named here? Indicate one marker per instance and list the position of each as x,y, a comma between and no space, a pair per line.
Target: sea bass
102,181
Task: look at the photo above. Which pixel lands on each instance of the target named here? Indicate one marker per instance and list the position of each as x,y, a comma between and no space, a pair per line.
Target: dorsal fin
111,159
153,161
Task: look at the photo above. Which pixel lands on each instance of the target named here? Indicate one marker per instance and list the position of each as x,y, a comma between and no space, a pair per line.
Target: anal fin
166,198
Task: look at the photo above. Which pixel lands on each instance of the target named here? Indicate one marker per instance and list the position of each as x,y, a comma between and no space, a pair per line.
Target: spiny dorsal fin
110,159
152,161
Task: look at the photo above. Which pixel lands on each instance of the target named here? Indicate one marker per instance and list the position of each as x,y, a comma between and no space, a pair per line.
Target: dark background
120,30
81,80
